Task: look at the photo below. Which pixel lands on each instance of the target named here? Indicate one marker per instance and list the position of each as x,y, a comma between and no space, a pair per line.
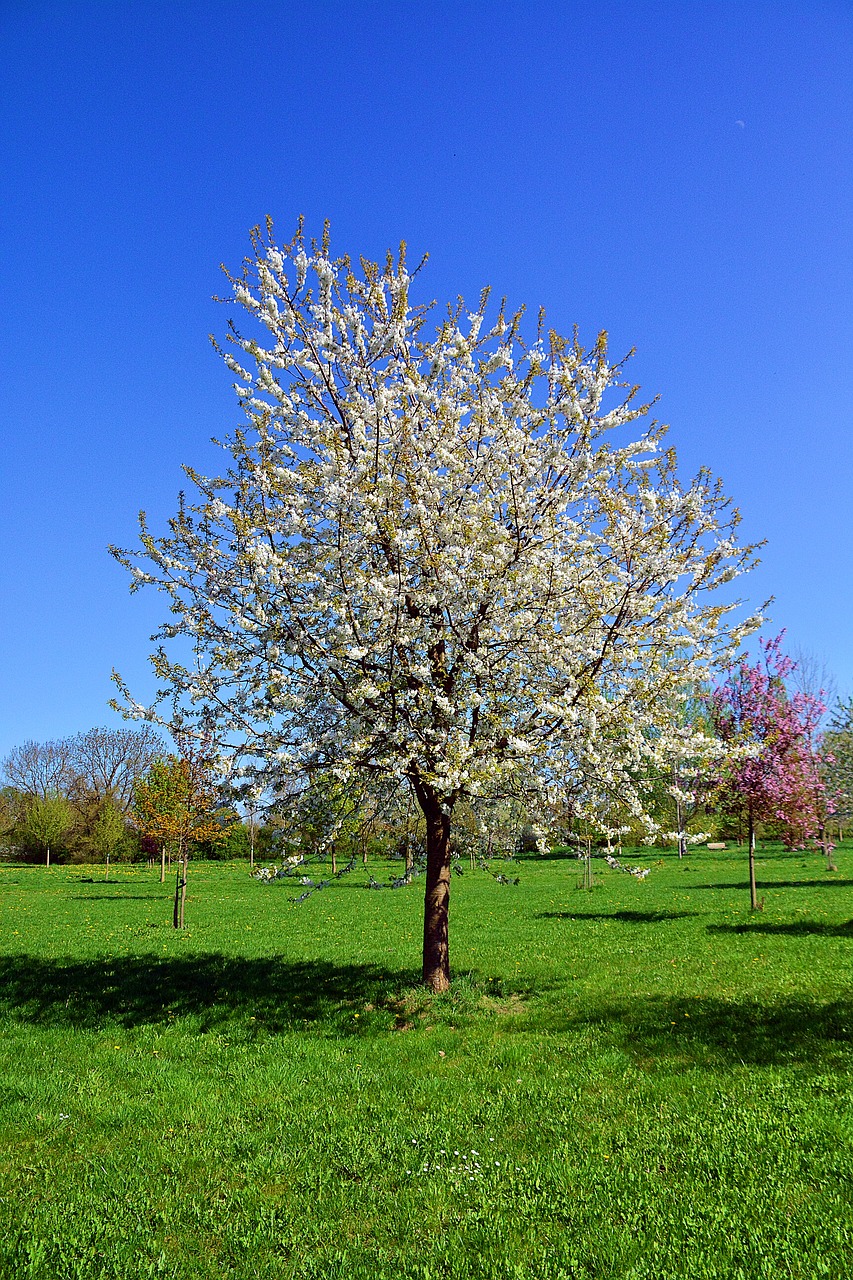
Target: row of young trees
78,799
72,795
775,773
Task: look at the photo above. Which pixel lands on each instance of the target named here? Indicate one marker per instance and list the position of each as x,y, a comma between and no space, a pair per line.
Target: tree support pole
183,885
753,891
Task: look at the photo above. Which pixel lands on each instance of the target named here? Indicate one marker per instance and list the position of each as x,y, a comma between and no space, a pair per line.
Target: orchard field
642,1080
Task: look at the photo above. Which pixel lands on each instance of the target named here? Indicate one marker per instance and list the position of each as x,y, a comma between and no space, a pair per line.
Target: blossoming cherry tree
437,559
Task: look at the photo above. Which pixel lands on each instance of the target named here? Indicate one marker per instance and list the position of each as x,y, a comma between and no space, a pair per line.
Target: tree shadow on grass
123,897
796,929
253,998
712,1032
780,884
214,991
625,917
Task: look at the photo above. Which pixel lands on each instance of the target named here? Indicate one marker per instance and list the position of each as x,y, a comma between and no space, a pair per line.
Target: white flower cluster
266,874
685,837
639,872
459,1167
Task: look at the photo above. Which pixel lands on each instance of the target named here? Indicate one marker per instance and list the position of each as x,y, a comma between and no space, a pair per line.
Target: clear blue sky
679,174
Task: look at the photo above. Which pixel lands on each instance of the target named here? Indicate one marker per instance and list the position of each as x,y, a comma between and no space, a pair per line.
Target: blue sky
678,174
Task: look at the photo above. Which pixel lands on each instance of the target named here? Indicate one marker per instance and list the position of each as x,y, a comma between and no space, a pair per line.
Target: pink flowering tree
812,800
773,772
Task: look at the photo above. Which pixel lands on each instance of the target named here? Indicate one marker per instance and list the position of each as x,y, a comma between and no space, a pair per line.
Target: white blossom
430,568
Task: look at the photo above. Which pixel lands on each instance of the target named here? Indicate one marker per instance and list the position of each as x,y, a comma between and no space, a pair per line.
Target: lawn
638,1081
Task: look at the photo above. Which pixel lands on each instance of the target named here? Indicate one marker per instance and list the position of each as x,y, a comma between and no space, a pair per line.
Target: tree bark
827,851
753,892
47,857
107,872
436,953
334,853
162,863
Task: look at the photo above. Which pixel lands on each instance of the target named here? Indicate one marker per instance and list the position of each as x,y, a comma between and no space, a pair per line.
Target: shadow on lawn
250,998
121,897
214,990
707,1031
626,917
796,929
780,884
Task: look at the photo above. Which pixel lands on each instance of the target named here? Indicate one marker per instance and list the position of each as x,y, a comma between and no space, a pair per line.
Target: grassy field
638,1081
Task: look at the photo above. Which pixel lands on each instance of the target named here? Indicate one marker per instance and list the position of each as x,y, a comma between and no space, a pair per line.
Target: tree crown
434,558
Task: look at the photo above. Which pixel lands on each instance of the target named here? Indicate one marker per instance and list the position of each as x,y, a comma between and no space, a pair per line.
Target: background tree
155,805
837,769
179,803
683,791
811,676
769,777
107,763
42,769
108,831
12,809
48,818
427,563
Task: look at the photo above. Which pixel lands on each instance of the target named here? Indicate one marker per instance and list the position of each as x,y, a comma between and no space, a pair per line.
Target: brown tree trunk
334,854
162,863
753,892
47,857
679,819
827,851
436,953
107,872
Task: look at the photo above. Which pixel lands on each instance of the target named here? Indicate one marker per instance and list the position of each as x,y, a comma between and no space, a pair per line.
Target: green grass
641,1081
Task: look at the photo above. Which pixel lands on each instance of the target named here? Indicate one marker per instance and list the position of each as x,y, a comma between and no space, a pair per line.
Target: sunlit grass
643,1080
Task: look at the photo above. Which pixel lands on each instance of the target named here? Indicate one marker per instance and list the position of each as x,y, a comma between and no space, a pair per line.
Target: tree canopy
438,558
